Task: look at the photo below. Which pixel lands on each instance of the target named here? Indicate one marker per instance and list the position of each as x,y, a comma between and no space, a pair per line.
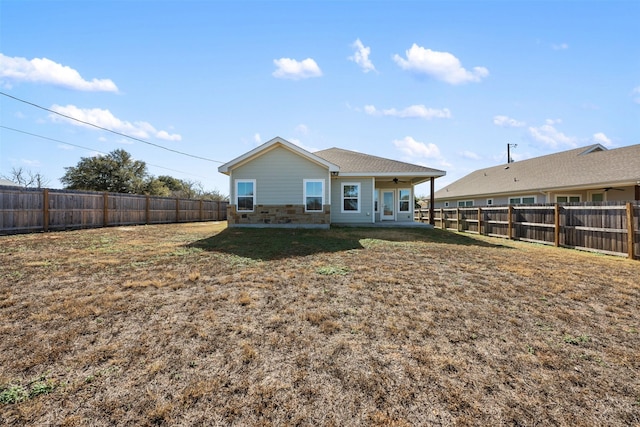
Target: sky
188,85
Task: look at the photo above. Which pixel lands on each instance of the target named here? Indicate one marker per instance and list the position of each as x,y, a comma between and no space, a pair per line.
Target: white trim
489,202
304,194
255,191
358,199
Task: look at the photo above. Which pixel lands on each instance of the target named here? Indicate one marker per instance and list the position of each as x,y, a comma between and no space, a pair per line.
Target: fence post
443,222
201,211
510,222
146,210
556,225
630,231
178,210
458,220
45,209
479,220
105,209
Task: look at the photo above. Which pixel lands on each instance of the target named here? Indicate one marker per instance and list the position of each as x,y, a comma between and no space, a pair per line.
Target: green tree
115,172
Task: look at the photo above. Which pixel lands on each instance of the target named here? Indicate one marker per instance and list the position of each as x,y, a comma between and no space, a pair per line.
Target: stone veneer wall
283,215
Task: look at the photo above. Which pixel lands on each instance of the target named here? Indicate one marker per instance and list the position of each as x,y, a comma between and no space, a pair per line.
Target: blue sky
445,84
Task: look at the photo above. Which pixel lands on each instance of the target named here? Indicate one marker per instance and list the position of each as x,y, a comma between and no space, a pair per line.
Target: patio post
431,202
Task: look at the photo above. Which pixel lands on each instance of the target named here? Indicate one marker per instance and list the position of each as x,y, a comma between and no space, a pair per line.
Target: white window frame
569,196
400,190
489,202
358,198
465,203
244,181
520,202
446,204
304,194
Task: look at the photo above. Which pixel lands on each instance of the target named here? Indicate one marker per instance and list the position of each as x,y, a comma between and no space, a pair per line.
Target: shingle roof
351,162
593,166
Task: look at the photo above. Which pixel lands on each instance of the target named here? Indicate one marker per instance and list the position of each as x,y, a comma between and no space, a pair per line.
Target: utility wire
109,130
90,149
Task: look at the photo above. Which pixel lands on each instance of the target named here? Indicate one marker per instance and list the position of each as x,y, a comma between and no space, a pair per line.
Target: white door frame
391,217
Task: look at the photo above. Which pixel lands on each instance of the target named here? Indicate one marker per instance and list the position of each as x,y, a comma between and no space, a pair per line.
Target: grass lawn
197,324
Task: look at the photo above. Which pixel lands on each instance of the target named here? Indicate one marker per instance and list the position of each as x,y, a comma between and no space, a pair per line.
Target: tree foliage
118,172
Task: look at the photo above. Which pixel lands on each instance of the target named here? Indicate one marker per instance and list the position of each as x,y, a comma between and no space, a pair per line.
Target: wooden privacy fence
608,227
25,210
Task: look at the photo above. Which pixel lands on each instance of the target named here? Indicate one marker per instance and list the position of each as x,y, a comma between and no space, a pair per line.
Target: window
446,204
313,195
404,200
597,197
489,202
245,194
527,200
567,199
465,203
351,197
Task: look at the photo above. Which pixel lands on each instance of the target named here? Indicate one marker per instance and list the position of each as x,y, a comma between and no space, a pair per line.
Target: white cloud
296,70
302,128
440,65
415,149
601,138
257,138
413,111
105,119
43,70
548,135
469,155
635,93
561,46
361,56
507,122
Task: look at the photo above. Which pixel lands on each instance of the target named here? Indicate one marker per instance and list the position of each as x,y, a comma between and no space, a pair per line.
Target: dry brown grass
194,324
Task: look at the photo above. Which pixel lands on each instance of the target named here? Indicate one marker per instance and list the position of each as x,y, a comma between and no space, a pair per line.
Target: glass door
388,198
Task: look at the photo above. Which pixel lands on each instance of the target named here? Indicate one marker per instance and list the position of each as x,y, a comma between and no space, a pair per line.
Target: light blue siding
366,213
279,175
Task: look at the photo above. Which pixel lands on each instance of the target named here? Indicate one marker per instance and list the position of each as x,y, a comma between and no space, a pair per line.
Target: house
7,183
588,174
279,184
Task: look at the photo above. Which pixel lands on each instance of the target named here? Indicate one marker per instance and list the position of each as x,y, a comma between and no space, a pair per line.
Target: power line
109,130
91,149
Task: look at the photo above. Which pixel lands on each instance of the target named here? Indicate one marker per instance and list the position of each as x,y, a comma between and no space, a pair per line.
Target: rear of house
279,184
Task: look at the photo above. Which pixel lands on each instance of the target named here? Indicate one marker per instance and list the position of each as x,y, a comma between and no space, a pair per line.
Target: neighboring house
587,174
7,183
282,185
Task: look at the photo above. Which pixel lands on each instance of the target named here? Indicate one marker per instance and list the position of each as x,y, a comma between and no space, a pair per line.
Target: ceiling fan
396,180
612,188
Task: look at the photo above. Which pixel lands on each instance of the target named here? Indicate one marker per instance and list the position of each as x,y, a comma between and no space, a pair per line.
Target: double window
465,203
527,200
245,194
350,197
567,199
313,195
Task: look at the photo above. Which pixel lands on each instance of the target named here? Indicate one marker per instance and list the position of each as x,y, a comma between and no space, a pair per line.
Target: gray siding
366,201
279,175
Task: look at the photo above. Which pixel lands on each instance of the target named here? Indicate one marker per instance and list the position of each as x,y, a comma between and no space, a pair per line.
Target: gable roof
354,163
585,167
270,145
